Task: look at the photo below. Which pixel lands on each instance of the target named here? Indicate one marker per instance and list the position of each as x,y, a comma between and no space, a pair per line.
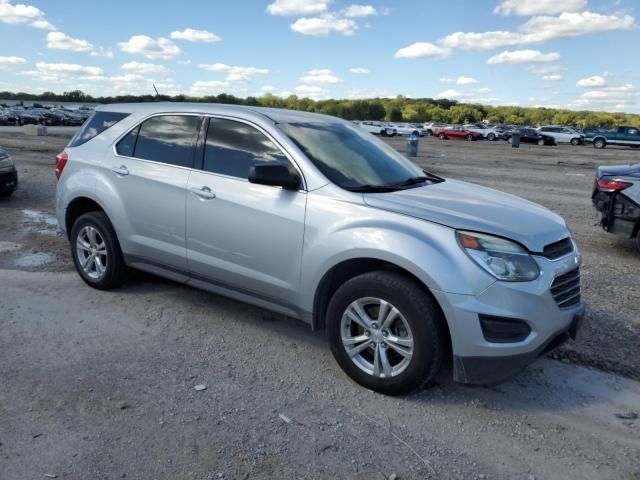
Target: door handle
203,192
121,170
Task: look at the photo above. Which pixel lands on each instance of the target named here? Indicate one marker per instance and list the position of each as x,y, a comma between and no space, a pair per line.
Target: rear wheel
383,133
96,252
599,143
442,136
385,332
541,142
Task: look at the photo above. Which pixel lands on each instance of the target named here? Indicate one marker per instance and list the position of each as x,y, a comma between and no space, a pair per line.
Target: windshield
350,157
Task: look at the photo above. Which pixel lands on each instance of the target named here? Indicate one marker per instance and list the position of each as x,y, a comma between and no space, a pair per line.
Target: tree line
398,109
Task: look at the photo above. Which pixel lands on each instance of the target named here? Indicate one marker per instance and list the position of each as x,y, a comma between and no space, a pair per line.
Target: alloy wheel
92,252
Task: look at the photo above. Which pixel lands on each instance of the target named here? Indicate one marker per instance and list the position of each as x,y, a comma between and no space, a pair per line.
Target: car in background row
8,174
623,136
490,133
457,131
378,128
562,134
408,129
616,197
530,135
430,127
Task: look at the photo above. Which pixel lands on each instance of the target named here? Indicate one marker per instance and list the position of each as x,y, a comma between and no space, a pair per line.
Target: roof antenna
157,93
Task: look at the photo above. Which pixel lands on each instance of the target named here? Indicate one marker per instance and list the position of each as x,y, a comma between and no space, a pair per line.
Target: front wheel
575,141
599,143
385,332
442,136
96,252
491,137
468,138
541,142
383,133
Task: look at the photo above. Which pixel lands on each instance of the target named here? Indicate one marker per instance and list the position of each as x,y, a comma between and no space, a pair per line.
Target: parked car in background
504,131
73,118
562,134
623,136
530,135
616,197
312,217
408,129
378,128
490,133
52,117
4,119
431,127
590,132
8,174
24,116
458,132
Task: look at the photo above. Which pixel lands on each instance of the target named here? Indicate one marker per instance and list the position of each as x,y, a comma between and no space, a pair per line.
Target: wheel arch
79,206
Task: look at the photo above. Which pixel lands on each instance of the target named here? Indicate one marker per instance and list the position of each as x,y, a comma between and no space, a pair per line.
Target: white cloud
323,25
591,82
20,13
268,89
523,56
320,76
354,11
311,91
552,78
540,29
210,87
298,7
160,48
144,68
6,62
483,90
62,41
452,94
447,80
192,35
423,50
359,70
71,68
462,80
612,98
546,69
539,7
102,52
234,73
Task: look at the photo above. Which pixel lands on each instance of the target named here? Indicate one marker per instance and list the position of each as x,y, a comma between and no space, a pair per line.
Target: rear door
151,168
242,235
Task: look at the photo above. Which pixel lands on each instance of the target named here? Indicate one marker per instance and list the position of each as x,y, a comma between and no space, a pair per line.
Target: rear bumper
8,181
493,370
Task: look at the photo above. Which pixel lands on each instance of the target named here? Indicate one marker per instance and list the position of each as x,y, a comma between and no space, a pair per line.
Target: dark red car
456,132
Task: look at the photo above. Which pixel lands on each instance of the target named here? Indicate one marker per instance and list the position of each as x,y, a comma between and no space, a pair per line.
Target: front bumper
551,318
8,181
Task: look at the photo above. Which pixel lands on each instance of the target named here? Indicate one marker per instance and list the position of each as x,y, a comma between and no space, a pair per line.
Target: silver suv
312,217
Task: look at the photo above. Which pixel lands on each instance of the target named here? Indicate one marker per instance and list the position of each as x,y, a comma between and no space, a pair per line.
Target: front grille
566,289
558,249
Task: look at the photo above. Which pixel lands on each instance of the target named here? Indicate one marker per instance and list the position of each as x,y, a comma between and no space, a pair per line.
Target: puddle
34,260
39,222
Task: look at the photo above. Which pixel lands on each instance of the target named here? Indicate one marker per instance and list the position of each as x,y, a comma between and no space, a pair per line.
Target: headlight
504,259
5,161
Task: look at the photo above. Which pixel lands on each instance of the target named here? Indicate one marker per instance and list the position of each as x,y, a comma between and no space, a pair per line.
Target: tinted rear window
95,125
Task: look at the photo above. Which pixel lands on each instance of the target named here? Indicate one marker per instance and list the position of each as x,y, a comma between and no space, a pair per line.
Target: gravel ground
101,384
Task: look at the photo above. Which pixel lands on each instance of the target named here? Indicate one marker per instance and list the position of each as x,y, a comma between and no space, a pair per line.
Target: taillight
61,160
612,185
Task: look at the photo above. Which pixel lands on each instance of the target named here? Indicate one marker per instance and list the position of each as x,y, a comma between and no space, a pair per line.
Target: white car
562,134
431,127
408,129
490,133
378,128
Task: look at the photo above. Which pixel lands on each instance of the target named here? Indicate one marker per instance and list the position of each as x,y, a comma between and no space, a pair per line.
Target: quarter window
95,125
232,148
168,139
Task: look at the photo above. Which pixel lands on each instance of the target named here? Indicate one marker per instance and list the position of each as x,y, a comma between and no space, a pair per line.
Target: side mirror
274,174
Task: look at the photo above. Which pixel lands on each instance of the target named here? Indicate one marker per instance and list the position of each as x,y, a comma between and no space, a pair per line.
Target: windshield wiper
372,188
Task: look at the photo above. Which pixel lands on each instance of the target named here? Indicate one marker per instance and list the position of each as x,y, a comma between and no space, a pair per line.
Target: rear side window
168,139
232,148
95,125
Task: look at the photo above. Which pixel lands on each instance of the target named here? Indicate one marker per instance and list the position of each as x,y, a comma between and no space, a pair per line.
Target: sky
577,54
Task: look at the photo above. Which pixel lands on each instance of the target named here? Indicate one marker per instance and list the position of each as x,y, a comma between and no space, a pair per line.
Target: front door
242,235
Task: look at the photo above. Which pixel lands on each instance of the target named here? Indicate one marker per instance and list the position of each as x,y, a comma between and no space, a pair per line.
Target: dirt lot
101,384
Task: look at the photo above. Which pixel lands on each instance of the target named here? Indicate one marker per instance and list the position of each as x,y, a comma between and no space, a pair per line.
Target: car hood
466,206
619,171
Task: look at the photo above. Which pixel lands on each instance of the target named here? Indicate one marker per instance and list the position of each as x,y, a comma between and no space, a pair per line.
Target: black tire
383,133
421,313
429,133
442,136
116,271
575,141
599,143
6,194
491,137
469,138
541,142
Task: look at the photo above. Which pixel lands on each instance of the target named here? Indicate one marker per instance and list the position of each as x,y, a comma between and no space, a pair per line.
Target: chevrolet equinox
312,217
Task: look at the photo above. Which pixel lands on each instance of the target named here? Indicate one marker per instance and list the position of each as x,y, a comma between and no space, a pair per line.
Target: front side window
350,157
167,138
95,125
232,148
